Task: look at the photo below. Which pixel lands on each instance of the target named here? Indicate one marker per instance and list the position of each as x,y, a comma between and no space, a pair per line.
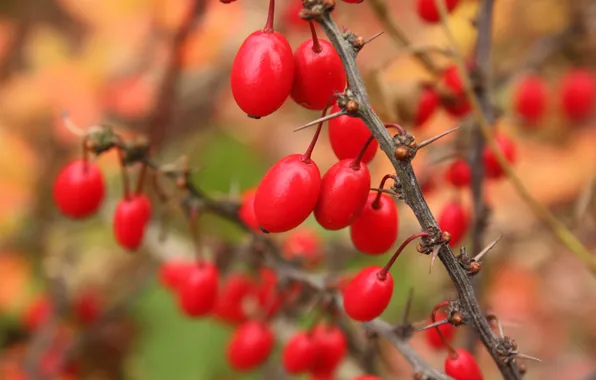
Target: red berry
268,295
577,91
304,244
318,74
37,313
375,230
250,346
198,292
454,219
79,189
288,193
247,210
230,302
530,99
459,173
173,272
300,353
432,336
344,191
130,219
368,294
331,348
492,168
427,104
463,366
262,73
428,11
87,307
458,105
347,136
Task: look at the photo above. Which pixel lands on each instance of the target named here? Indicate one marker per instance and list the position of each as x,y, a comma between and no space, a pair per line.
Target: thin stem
316,45
125,185
565,236
399,128
85,151
270,16
141,180
383,273
433,317
193,218
356,162
376,204
435,138
306,157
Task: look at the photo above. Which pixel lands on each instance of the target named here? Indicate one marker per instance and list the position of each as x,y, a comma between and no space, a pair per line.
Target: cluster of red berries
79,191
576,92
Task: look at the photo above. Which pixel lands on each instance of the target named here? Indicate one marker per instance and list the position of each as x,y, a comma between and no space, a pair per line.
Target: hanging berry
231,298
197,294
79,189
427,104
432,336
454,219
263,70
456,104
492,167
300,353
530,99
461,365
331,348
130,219
173,272
428,11
338,207
578,90
250,346
289,191
374,232
459,173
247,210
367,295
347,135
303,244
318,73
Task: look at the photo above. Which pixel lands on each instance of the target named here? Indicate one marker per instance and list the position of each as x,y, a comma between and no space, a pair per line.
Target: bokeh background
103,61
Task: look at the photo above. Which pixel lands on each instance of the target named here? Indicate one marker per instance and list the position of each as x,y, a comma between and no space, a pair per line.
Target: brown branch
157,122
414,198
482,76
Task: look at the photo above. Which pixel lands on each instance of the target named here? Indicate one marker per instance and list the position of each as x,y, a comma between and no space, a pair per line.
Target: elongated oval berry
428,11
300,353
375,230
88,306
427,104
130,219
287,194
492,167
79,189
331,348
462,366
347,135
250,346
37,313
432,336
457,105
230,301
263,71
530,99
247,210
459,173
344,191
367,295
454,219
578,90
303,244
197,294
318,73
173,272
269,297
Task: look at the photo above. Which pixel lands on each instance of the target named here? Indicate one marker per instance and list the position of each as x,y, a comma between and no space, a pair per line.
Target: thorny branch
413,196
482,76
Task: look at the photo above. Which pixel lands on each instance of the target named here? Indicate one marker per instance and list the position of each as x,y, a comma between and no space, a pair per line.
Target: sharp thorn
321,120
72,127
480,255
374,37
528,357
433,258
433,325
435,138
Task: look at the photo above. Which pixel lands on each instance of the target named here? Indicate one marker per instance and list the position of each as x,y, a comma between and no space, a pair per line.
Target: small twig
321,120
481,254
437,137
